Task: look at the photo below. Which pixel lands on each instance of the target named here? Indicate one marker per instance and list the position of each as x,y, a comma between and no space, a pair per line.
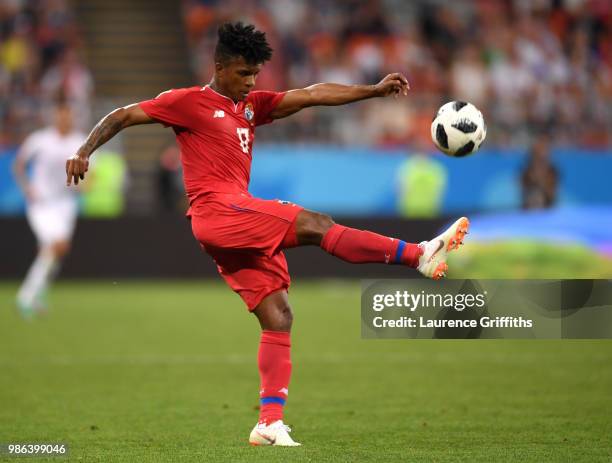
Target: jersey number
243,137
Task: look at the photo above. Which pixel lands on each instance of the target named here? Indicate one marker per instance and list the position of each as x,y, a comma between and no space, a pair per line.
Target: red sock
274,362
362,247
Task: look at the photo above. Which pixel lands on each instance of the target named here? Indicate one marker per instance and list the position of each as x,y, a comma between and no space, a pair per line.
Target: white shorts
52,221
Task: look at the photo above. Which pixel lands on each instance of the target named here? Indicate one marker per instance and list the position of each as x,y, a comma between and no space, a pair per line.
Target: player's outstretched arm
337,94
107,128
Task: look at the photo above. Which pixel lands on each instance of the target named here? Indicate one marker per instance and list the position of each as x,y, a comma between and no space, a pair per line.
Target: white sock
39,275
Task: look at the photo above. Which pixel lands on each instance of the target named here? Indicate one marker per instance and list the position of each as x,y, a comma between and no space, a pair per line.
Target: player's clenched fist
76,167
393,84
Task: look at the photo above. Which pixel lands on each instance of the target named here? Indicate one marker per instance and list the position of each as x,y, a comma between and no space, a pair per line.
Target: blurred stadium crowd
40,49
531,66
540,71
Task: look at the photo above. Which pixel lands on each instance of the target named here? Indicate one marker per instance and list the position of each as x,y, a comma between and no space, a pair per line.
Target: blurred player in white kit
51,207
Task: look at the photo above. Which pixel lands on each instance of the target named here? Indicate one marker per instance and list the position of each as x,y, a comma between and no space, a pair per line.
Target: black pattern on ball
465,149
465,126
441,136
459,104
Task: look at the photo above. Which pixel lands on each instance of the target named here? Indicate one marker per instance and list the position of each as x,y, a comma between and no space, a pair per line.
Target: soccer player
215,128
51,208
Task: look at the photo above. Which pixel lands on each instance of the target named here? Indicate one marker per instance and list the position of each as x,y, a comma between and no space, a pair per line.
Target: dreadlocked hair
238,39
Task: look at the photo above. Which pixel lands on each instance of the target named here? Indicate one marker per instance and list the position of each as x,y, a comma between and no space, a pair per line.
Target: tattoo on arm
106,129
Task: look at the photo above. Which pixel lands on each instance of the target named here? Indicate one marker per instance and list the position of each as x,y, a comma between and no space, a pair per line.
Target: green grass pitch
166,371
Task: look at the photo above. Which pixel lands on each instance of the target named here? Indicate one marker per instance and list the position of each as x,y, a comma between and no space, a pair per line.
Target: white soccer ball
458,129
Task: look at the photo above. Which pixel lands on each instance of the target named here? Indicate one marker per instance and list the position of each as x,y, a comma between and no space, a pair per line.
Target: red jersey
215,135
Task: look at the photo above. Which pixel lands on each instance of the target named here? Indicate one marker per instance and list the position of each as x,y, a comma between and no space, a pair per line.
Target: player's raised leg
362,246
274,361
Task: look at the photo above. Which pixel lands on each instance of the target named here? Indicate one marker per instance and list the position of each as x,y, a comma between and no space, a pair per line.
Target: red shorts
243,235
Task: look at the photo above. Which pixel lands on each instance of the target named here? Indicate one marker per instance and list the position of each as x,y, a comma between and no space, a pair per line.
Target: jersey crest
249,114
